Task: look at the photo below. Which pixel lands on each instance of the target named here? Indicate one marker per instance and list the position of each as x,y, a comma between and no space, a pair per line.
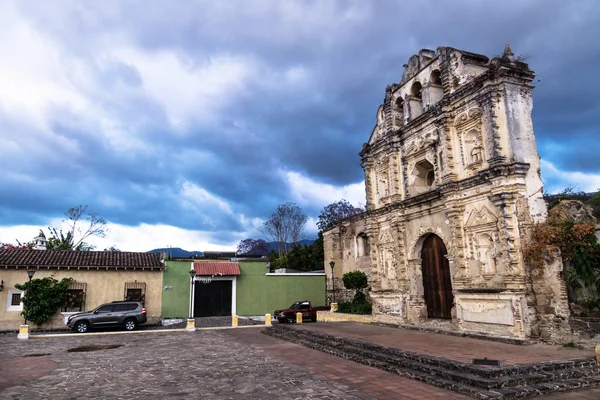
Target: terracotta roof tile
62,258
205,268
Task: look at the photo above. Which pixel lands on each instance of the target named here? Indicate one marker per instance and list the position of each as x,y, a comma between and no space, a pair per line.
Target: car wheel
290,319
129,324
82,326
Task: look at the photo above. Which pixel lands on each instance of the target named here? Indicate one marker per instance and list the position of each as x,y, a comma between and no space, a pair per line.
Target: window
13,302
75,297
436,77
105,309
362,242
124,307
135,291
424,177
15,299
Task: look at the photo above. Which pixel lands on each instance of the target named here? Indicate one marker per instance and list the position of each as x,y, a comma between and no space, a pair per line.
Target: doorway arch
437,283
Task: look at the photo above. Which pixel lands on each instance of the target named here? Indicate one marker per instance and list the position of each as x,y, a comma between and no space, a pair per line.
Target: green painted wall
258,294
175,302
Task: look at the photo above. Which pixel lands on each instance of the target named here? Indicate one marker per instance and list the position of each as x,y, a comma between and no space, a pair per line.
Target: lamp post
332,264
192,275
30,274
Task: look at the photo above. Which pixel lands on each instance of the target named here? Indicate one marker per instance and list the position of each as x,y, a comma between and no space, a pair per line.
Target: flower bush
74,301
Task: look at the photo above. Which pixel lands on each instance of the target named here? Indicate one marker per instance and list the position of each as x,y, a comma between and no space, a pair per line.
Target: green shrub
356,280
355,308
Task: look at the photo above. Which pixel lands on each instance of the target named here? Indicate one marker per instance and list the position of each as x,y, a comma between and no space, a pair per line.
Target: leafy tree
594,202
356,280
286,225
74,238
254,247
112,248
43,297
335,212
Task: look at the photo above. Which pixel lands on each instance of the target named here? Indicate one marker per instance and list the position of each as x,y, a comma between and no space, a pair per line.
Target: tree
74,239
253,247
113,249
356,280
335,212
286,225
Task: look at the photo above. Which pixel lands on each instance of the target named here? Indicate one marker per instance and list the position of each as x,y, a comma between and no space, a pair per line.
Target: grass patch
572,346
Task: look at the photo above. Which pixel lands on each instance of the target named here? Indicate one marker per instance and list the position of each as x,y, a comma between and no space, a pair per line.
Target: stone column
447,166
492,135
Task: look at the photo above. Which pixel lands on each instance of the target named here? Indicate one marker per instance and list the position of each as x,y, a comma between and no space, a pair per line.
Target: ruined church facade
453,186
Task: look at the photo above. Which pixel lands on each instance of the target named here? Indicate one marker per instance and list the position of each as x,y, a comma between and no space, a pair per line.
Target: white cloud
142,238
199,199
306,191
563,179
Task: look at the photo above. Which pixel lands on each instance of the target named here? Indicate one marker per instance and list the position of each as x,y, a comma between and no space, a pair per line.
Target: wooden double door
436,278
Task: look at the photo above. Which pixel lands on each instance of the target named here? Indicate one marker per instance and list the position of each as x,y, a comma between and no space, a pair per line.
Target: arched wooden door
436,278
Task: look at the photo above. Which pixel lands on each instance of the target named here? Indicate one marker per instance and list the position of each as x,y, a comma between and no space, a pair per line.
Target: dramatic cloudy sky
185,123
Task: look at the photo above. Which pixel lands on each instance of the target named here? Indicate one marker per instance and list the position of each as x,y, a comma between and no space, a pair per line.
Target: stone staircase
482,382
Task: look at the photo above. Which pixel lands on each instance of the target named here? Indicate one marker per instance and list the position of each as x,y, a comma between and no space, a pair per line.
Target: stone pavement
373,382
225,364
204,364
456,348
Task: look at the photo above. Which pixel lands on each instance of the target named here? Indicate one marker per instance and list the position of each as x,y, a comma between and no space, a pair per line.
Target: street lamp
30,274
332,264
192,275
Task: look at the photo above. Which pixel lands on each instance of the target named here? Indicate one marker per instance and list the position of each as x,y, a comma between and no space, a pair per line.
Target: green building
242,288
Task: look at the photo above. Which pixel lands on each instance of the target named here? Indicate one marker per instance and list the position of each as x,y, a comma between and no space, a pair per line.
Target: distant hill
177,252
305,242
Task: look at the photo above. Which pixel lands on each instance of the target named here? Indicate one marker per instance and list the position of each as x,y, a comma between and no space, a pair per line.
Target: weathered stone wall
453,154
344,245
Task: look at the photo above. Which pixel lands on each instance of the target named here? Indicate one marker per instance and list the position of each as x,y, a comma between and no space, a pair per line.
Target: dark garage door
212,299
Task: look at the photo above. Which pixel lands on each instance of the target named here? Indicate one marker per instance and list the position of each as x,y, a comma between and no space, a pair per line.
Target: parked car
309,313
125,314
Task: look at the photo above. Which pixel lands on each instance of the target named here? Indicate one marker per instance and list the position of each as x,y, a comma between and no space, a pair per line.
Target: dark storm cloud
343,53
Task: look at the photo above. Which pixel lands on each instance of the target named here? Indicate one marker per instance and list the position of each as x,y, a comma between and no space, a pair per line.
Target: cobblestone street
204,364
222,364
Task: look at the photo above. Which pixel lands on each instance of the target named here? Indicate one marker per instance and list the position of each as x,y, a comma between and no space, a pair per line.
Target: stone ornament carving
482,237
483,216
385,236
482,307
387,263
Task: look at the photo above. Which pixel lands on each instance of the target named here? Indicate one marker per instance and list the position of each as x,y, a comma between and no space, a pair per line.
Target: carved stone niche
382,175
483,248
468,127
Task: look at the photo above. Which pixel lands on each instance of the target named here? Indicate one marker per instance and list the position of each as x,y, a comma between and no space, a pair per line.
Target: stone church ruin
452,176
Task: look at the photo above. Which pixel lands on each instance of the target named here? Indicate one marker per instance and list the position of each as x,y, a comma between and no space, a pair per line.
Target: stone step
460,375
487,372
534,379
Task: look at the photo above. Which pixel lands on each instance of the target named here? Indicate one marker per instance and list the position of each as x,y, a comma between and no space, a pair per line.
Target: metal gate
212,299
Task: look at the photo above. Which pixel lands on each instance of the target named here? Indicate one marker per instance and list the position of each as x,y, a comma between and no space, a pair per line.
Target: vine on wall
579,248
43,297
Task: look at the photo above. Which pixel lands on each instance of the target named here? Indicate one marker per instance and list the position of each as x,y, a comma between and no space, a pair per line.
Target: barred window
15,299
75,301
135,291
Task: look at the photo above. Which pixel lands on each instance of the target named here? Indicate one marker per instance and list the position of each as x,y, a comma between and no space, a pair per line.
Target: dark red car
309,313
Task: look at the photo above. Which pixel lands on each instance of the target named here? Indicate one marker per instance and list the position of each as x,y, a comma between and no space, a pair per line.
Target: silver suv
125,314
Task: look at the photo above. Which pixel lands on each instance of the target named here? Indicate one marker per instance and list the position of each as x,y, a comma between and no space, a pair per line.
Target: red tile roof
85,259
205,268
